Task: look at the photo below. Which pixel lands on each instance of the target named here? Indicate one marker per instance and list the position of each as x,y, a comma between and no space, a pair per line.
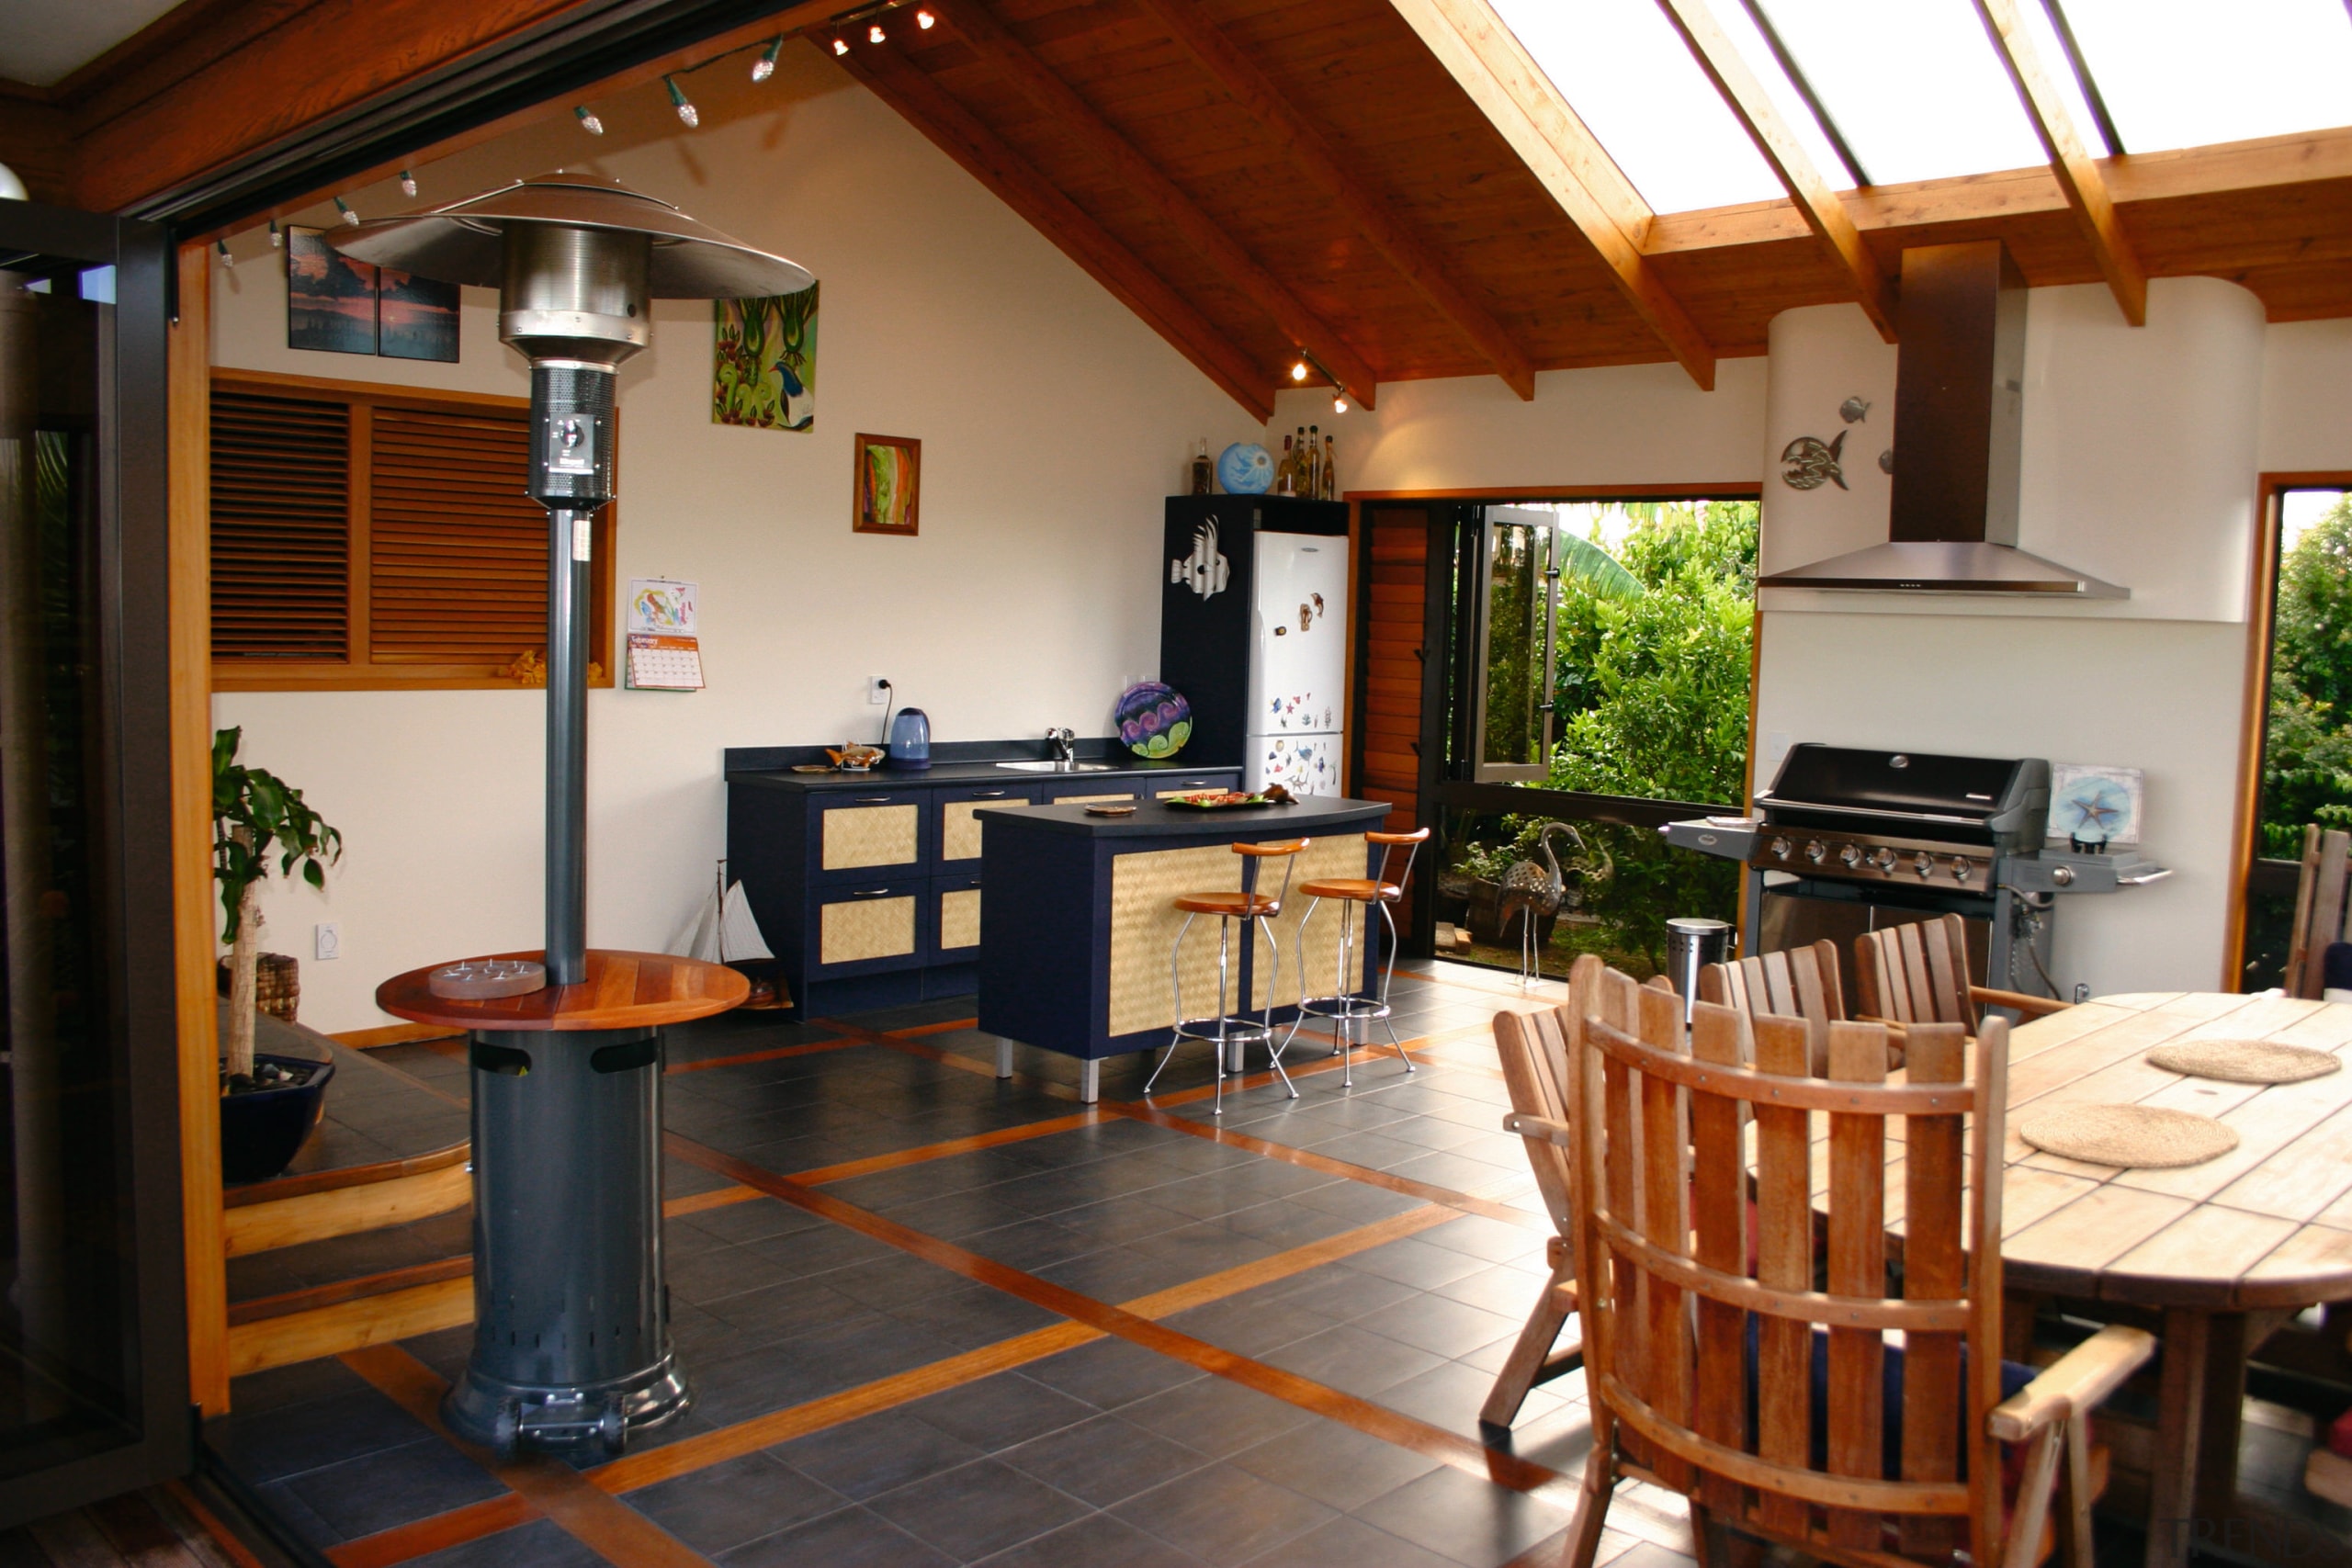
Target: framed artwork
330,298
2092,805
765,370
415,317
888,484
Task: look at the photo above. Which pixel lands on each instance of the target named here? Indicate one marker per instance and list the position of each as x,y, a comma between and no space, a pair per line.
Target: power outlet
326,940
878,690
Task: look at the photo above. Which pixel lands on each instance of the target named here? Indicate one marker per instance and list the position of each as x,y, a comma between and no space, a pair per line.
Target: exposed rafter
2078,174
1308,151
1521,102
1824,213
1077,119
957,132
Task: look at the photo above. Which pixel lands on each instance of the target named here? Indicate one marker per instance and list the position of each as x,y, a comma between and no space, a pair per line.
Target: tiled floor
1120,1334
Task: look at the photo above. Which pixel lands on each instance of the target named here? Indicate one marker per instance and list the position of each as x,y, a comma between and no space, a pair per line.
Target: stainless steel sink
1052,767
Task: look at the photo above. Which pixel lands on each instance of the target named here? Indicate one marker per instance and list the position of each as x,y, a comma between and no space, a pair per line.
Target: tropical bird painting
764,373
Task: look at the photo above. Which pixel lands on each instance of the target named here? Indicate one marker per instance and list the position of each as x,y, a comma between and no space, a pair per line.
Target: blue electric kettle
911,739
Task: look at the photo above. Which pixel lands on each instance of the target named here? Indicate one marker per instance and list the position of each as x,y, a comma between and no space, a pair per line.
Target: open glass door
92,1384
1518,613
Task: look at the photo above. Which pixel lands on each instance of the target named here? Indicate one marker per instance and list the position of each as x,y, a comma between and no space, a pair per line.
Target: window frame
358,672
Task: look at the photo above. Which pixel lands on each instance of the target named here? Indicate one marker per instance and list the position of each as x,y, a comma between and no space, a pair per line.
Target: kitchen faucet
1064,741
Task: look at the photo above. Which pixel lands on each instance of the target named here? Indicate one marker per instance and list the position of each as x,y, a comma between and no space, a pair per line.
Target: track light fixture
349,216
678,99
226,259
588,120
1298,371
764,66
925,20
408,182
874,33
1339,402
840,45
276,239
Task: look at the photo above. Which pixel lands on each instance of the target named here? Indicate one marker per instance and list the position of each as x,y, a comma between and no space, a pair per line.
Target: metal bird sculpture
1536,890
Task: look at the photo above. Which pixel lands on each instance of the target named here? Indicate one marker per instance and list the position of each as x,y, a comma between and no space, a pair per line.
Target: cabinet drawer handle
871,893
873,800
988,794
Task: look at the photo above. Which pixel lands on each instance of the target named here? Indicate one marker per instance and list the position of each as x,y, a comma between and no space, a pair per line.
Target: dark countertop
1154,818
971,772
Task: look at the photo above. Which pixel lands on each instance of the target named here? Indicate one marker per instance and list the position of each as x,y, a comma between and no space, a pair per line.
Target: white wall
1053,423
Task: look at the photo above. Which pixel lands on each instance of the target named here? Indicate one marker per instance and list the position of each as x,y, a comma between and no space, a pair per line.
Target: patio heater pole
571,1338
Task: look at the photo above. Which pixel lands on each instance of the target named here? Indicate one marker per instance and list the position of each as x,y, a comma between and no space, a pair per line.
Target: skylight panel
2177,75
1627,73
1916,87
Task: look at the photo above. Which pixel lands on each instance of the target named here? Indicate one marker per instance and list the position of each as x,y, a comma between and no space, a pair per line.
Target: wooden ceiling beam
957,132
1521,102
1077,119
1307,150
2077,173
1824,213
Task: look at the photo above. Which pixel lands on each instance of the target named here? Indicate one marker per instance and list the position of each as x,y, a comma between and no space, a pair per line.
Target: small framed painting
888,484
2095,807
330,298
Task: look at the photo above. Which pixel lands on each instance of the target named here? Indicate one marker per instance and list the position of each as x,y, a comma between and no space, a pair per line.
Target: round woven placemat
2244,1061
2139,1136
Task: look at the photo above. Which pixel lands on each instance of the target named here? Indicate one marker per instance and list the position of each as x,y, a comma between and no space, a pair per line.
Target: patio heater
572,1335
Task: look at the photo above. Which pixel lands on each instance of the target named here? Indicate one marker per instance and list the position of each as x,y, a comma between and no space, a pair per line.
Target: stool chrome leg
1299,1017
1176,989
1346,1020
1266,1016
1388,978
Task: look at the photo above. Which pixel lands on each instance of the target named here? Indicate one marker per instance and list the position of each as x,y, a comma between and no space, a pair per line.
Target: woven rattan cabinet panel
960,917
856,837
855,930
1341,855
959,831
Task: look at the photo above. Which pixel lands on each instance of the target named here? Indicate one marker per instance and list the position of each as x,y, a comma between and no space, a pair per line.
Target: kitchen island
1075,952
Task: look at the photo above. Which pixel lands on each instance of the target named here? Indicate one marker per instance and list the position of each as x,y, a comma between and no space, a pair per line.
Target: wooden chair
1801,982
2319,910
1533,1049
1722,1365
1918,974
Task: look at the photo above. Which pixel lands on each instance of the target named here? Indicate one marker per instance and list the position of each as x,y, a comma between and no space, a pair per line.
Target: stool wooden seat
1229,906
1230,1033
1347,1009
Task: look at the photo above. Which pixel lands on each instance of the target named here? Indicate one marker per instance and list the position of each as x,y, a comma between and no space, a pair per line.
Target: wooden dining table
2220,1255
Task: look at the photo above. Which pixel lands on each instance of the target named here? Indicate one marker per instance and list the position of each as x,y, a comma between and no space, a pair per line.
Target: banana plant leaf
1587,566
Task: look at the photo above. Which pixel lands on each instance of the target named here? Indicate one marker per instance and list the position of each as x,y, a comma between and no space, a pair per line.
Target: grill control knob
1883,860
1814,850
1961,870
1923,864
1851,853
1780,849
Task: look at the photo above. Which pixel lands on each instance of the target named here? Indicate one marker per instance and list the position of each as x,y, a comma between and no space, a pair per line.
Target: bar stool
1352,1013
1231,1033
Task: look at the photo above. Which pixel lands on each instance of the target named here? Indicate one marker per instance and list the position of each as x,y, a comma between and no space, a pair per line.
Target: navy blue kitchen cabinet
868,886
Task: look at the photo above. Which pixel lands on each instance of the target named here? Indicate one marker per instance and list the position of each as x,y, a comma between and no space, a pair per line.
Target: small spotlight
841,46
408,182
226,259
764,66
588,120
1298,371
687,110
349,216
276,239
1339,402
925,20
874,33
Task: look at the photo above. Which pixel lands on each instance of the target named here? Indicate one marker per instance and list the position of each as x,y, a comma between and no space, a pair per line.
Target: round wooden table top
623,990
2267,1225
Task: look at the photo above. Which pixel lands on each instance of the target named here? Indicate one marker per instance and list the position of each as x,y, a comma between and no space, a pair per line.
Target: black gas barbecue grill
1848,840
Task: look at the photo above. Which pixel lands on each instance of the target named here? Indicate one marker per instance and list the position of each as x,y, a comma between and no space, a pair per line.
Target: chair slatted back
1534,1056
1801,982
1916,973
1678,1264
2319,910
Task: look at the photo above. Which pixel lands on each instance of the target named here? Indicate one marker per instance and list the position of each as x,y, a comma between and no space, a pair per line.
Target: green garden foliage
2307,761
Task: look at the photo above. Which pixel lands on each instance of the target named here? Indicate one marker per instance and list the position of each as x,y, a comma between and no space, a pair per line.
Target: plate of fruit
1229,799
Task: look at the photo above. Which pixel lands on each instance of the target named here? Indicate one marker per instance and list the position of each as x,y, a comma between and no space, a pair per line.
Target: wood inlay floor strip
603,1523
456,1528
1403,1431
997,1139
776,1054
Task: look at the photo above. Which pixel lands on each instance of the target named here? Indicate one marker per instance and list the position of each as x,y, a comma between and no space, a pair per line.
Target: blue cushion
2014,1376
2336,967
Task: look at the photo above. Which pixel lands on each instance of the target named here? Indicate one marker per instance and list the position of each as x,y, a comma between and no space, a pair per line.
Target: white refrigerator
1298,662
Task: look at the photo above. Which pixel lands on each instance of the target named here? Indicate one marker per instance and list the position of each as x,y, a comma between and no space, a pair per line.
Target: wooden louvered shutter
281,527
456,552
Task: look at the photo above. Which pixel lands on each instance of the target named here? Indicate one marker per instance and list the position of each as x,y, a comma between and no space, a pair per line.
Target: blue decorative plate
1245,469
1154,720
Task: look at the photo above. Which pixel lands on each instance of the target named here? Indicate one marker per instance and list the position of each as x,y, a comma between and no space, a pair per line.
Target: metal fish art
1808,463
1205,571
1852,409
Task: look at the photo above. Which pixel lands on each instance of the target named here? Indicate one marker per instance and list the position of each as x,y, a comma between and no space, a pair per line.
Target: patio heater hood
1959,404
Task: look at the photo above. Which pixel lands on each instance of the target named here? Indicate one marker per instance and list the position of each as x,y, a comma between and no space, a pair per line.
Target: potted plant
269,1104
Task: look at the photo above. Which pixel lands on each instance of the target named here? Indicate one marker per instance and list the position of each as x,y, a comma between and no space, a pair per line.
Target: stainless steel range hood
1960,396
